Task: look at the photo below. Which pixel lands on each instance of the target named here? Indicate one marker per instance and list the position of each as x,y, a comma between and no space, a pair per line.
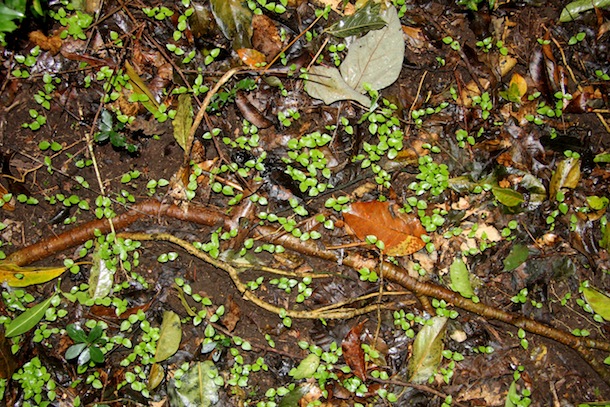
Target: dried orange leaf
17,276
251,57
400,233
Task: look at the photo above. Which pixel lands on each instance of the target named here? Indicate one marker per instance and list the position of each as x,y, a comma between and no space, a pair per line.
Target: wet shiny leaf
567,175
427,350
28,319
599,302
17,276
198,388
362,21
234,20
460,278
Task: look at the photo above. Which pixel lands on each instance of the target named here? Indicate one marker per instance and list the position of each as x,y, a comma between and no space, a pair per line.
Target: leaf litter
522,209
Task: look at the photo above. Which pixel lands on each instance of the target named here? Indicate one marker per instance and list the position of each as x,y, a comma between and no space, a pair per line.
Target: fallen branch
389,271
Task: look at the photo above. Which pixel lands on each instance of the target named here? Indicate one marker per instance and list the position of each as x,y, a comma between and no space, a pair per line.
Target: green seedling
86,346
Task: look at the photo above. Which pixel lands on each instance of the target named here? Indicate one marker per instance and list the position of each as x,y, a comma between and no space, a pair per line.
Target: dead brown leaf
232,316
401,233
353,352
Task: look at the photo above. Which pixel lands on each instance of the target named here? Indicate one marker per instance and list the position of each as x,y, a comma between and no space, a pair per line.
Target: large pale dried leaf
170,336
198,388
460,278
353,352
427,350
567,175
377,57
362,21
234,20
599,302
183,120
17,276
101,278
401,233
28,319
326,83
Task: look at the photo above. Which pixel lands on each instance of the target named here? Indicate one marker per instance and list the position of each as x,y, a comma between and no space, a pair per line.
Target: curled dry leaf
401,233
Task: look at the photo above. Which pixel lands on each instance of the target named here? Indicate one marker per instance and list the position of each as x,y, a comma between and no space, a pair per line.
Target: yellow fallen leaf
519,82
17,276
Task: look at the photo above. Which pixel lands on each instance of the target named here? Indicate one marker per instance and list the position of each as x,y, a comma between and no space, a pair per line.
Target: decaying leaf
101,278
232,315
427,350
198,387
16,276
170,335
599,302
139,87
460,278
234,20
507,196
28,319
353,352
518,254
401,233
567,175
376,58
183,120
156,376
362,21
327,84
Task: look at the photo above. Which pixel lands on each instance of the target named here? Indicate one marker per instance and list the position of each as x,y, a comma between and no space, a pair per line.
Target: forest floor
276,204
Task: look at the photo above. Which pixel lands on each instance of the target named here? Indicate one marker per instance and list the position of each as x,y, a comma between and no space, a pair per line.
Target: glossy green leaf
575,8
75,350
96,355
362,21
460,278
197,389
76,334
28,319
170,336
602,158
517,255
234,20
183,120
427,350
306,368
376,58
599,302
567,175
508,197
